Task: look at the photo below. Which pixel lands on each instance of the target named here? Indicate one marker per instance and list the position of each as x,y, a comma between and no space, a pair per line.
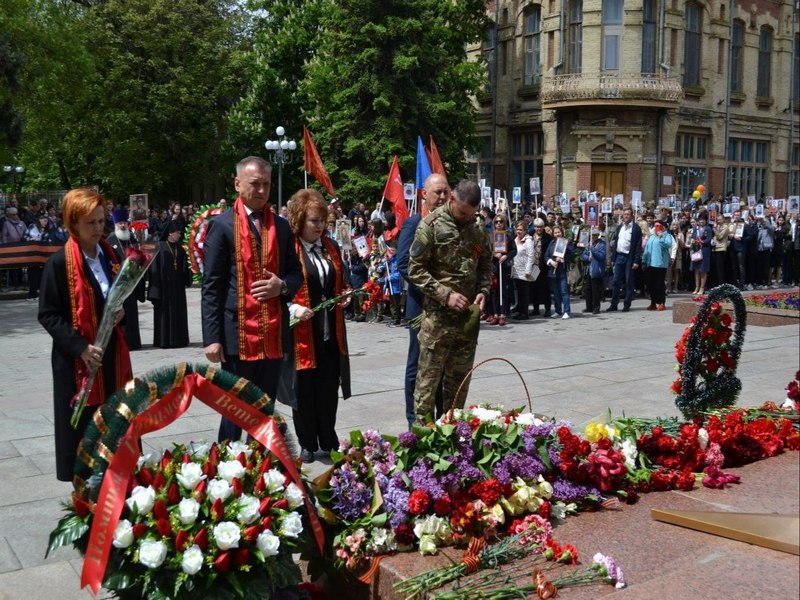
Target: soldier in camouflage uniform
450,261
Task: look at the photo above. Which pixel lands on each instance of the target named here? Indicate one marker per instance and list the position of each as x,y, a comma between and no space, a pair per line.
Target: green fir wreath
111,421
718,389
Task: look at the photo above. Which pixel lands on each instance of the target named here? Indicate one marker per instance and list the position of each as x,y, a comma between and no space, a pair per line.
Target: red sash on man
259,322
85,321
304,351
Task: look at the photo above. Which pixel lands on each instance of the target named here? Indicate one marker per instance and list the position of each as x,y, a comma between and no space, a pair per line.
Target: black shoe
520,317
626,309
535,313
307,456
611,308
596,311
586,310
547,314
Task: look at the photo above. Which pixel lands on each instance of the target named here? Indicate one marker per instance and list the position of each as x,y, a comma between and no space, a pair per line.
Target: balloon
701,188
696,195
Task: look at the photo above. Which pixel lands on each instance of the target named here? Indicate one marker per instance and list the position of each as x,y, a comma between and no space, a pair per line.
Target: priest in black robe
169,277
120,240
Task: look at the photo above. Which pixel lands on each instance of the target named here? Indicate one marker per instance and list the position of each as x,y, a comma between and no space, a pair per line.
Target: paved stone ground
576,370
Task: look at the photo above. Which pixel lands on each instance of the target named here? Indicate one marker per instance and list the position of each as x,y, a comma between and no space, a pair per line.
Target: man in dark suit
251,270
627,258
436,192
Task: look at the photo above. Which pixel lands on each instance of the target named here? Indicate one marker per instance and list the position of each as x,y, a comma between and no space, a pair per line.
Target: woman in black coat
320,342
74,286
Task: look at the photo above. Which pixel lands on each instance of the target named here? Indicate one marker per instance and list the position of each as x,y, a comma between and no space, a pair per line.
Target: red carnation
418,502
139,530
159,482
569,555
685,481
712,365
677,386
442,506
173,495
266,523
223,562
145,477
404,534
201,538
251,533
264,505
237,488
282,504
181,540
163,527
544,510
241,556
217,511
160,509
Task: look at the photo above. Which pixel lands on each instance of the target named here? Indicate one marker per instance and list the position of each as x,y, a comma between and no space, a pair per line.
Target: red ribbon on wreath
111,500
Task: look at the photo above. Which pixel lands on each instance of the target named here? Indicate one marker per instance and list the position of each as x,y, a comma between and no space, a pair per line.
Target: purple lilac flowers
351,497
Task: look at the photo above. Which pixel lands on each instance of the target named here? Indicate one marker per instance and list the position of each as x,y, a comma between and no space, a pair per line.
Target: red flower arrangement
601,465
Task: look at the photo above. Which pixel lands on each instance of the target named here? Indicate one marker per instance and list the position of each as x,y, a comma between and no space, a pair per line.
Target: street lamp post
13,173
280,154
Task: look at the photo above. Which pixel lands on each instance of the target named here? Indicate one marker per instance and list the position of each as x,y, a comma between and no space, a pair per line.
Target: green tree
284,36
386,71
130,95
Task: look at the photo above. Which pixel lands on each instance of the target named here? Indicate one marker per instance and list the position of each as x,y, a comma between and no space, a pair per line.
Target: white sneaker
565,316
554,315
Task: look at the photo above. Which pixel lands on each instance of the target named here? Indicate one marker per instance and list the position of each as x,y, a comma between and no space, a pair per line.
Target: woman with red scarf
74,287
320,343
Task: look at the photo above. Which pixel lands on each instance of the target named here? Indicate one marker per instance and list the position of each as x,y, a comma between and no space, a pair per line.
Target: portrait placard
409,191
619,202
138,209
583,238
535,186
591,214
499,240
516,195
560,248
606,206
793,204
360,244
343,227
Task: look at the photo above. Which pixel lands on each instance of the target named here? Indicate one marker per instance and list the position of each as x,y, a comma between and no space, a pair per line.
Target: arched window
575,34
737,56
649,36
533,48
693,26
612,34
764,62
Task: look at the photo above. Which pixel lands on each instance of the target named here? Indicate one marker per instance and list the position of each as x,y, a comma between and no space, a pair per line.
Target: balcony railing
577,88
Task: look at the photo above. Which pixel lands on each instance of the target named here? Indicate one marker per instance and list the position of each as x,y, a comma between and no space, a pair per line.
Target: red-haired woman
74,287
321,360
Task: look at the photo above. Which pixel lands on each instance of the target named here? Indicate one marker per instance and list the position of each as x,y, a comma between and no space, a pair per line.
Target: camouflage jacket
448,257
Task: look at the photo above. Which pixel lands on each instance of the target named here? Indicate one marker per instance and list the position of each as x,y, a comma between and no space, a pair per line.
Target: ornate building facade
653,95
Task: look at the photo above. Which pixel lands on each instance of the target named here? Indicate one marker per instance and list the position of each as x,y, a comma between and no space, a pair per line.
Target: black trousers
656,285
593,291
522,286
317,402
541,292
264,373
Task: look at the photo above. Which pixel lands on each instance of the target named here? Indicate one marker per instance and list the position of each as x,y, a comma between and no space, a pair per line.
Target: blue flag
423,166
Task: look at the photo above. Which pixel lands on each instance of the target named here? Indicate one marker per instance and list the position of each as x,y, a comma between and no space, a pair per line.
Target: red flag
435,160
393,192
313,163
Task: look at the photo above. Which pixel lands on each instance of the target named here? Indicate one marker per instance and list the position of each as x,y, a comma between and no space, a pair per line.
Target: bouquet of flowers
368,294
130,274
198,516
139,229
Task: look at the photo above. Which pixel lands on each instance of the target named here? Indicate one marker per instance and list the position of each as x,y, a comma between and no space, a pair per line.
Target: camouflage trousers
446,354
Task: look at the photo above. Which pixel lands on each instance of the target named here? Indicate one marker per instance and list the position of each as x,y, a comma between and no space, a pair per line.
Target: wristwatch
284,289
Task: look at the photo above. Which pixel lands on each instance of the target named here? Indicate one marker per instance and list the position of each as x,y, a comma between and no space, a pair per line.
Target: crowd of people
273,309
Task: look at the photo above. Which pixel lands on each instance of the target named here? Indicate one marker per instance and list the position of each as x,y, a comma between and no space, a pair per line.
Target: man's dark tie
256,222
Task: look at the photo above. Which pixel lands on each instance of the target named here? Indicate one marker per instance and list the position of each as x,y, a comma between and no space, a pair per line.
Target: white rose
227,535
143,497
630,453
230,470
236,448
192,560
123,534
188,509
528,419
191,474
218,488
150,460
545,487
274,481
199,449
248,509
427,545
294,495
268,543
702,436
292,525
152,553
